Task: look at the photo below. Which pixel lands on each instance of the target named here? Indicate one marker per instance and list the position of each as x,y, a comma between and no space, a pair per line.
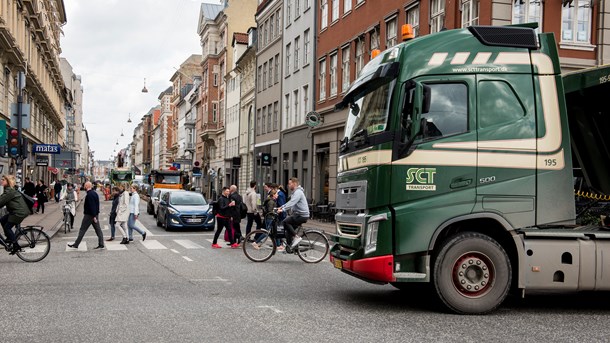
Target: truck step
410,275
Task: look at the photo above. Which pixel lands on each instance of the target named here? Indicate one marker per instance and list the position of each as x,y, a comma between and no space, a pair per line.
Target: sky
114,45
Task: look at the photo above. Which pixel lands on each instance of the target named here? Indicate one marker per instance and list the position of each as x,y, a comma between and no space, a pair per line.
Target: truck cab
456,140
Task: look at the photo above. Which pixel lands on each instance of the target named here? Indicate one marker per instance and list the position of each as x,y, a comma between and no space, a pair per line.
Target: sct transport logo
421,179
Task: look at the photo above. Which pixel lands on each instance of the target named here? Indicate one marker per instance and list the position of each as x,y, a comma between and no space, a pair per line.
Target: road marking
272,308
174,251
115,246
105,227
141,226
153,245
188,244
186,258
216,279
37,249
81,247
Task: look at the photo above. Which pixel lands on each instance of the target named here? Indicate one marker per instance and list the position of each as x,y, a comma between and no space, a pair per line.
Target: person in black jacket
223,218
41,195
92,209
29,188
57,190
116,192
236,216
16,208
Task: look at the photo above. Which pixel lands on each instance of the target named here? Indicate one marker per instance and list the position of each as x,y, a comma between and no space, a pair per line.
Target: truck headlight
371,237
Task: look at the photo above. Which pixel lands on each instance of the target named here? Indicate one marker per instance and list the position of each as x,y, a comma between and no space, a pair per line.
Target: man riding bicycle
16,207
300,212
70,197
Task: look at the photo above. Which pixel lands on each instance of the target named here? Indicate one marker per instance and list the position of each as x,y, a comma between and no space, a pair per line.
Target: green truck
456,169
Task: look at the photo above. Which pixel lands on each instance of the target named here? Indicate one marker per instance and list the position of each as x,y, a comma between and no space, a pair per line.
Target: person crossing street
91,211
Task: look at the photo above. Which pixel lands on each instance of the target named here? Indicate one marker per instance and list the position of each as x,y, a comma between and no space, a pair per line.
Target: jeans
89,220
8,228
131,224
294,220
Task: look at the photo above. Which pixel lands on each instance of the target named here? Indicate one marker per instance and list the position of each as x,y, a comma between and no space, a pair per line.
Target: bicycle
260,245
67,215
34,244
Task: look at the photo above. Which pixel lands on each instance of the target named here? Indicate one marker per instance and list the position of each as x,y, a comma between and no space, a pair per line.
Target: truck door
506,146
436,178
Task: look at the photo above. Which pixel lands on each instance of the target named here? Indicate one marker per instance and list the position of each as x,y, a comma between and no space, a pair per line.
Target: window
448,113
470,12
287,59
374,36
287,115
297,8
215,80
437,15
324,16
345,68
500,103
528,11
278,23
413,19
271,31
576,22
347,6
260,78
288,5
322,79
306,47
265,37
263,117
305,93
335,9
306,4
277,68
390,33
359,55
265,75
297,43
333,74
270,82
275,115
214,112
269,114
296,112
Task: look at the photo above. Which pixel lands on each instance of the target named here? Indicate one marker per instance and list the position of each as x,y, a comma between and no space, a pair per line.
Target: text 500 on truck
456,168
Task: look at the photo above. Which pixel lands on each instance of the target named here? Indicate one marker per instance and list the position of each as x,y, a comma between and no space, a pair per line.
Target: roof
210,11
240,38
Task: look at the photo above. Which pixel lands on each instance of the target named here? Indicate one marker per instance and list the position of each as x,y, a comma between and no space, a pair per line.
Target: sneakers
255,246
295,241
216,246
234,246
281,248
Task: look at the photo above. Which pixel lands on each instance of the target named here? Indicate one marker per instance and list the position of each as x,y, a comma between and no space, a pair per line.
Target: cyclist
300,212
16,207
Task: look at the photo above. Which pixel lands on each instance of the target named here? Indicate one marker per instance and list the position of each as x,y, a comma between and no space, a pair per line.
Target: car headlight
371,237
171,211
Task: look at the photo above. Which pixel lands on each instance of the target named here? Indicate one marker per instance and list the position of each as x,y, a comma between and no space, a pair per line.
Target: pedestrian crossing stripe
81,247
153,245
149,244
188,244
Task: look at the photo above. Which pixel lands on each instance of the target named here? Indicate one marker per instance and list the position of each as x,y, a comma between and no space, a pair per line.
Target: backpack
243,210
29,201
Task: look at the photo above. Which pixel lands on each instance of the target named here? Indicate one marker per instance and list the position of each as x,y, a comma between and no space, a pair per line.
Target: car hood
190,209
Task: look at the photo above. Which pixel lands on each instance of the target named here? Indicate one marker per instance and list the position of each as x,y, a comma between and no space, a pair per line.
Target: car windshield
187,199
369,113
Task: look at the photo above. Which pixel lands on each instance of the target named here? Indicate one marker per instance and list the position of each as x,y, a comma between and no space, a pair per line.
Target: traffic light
23,151
14,148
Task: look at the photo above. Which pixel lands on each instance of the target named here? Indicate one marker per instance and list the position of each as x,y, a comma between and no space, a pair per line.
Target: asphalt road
174,288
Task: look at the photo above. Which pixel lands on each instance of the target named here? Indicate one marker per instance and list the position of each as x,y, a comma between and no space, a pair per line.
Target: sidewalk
53,216
328,227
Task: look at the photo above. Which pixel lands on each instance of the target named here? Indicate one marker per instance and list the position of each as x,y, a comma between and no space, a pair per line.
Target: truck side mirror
426,99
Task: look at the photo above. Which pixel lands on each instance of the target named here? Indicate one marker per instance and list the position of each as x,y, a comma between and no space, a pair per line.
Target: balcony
189,122
210,130
190,146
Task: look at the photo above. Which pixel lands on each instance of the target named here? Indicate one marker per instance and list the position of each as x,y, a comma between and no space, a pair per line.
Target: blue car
184,210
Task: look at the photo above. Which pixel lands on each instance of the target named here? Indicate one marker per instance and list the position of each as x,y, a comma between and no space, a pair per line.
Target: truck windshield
369,113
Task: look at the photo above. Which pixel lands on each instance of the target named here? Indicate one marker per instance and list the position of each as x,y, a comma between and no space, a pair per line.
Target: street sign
2,132
265,159
42,161
46,148
176,165
25,115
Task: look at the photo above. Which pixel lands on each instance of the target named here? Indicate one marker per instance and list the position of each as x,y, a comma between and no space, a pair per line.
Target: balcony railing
189,146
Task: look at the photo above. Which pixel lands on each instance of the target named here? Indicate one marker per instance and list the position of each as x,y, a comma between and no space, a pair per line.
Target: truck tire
472,274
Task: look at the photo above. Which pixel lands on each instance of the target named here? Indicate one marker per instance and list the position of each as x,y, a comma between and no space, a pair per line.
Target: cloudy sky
113,45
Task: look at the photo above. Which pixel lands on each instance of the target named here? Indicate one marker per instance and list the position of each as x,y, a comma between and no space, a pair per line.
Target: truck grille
349,229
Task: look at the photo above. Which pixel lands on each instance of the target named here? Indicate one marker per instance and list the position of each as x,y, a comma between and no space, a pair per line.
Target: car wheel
149,210
166,224
159,224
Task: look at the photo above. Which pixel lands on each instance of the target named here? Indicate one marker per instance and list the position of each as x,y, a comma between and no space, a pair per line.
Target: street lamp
144,90
129,119
122,133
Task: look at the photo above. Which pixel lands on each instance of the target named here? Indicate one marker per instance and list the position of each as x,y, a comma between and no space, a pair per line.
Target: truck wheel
472,273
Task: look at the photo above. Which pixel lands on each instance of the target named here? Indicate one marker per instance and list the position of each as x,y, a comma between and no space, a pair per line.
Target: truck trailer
456,169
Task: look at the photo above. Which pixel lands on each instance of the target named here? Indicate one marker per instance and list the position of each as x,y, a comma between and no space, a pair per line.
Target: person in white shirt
134,212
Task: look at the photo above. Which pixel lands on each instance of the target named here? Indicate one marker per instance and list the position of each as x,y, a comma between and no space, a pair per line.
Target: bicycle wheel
313,247
259,246
34,245
66,222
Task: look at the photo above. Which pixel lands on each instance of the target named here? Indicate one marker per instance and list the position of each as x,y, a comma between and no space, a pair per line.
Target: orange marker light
407,32
374,53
